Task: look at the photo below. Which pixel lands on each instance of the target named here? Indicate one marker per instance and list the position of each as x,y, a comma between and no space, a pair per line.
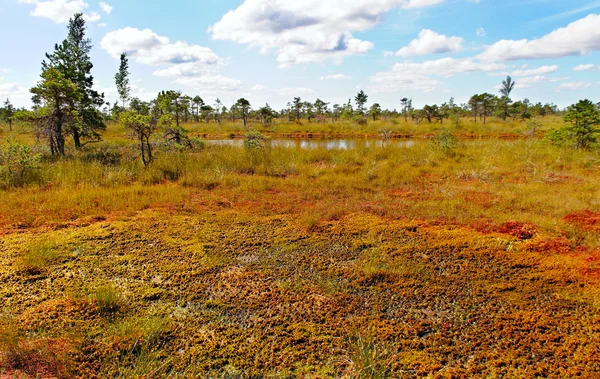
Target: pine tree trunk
143,151
77,139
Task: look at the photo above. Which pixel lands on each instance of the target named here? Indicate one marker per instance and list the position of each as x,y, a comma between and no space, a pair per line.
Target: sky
270,51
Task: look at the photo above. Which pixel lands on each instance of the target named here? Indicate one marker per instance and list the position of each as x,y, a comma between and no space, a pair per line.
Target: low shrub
447,142
18,164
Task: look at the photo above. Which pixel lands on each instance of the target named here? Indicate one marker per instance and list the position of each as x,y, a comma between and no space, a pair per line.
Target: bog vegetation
133,247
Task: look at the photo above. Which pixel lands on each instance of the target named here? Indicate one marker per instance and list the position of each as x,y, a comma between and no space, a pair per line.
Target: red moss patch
588,220
517,229
40,358
483,199
512,228
556,245
403,193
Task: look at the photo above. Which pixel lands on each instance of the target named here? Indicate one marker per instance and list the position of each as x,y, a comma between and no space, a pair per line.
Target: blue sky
273,50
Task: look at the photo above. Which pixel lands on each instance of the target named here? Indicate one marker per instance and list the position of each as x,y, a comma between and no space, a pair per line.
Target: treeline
194,109
67,107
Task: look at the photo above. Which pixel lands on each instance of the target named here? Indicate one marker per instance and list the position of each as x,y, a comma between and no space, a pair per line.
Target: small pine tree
8,112
361,100
122,80
584,120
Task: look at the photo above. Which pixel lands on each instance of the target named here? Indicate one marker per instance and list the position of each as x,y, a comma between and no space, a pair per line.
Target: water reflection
329,144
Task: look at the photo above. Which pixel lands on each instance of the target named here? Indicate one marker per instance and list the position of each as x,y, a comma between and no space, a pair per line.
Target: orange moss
587,220
552,245
515,229
484,199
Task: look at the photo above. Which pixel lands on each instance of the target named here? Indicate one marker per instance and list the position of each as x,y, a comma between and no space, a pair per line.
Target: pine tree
122,80
507,86
8,111
361,99
59,96
244,106
72,60
584,123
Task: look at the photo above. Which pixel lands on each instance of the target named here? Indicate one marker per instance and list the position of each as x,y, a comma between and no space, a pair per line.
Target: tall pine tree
71,58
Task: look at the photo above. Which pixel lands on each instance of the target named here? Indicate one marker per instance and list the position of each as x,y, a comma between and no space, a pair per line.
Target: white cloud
211,84
480,32
578,38
307,31
92,17
527,82
394,81
183,70
418,76
573,86
17,94
336,77
258,87
536,71
296,91
430,42
584,67
447,67
525,71
190,65
60,11
107,8
131,40
177,53
149,48
111,94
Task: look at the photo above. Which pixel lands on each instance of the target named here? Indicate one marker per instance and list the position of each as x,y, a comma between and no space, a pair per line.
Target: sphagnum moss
479,263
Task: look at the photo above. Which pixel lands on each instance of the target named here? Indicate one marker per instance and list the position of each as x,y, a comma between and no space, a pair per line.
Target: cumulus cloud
447,67
430,42
178,53
149,48
573,86
418,76
60,11
190,65
111,94
525,71
307,31
17,94
107,8
536,71
529,81
584,67
211,84
336,77
578,38
92,17
131,40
